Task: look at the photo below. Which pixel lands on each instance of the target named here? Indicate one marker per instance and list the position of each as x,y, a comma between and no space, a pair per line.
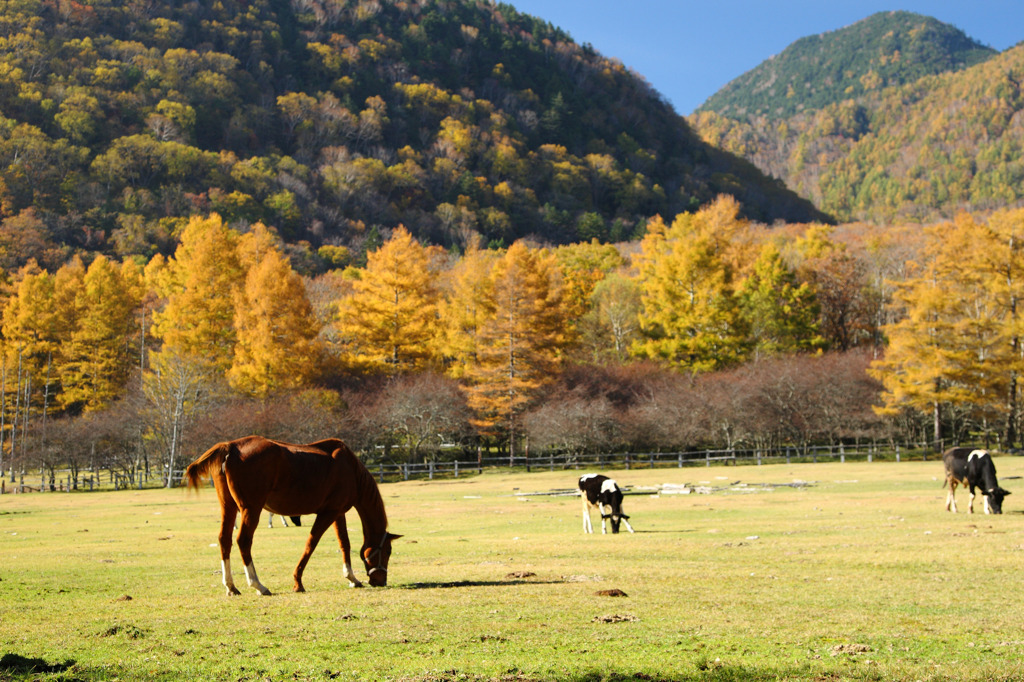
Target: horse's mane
369,494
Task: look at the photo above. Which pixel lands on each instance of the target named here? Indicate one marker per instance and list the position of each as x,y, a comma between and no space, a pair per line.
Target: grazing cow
973,469
600,492
297,520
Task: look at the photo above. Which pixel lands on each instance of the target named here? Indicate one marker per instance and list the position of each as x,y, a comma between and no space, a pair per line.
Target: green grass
861,575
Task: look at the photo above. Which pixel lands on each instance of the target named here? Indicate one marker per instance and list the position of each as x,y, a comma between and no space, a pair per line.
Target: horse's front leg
250,520
346,551
322,522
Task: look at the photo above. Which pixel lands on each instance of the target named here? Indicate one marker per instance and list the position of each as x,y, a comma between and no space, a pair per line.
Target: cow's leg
970,502
270,520
626,521
323,522
950,496
588,527
604,520
250,520
346,551
988,510
284,520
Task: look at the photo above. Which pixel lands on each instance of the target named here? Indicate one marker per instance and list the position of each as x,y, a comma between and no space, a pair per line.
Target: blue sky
688,49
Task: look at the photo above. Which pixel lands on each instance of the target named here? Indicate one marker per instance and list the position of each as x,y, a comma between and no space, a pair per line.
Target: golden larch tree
389,323
276,330
201,283
519,343
97,360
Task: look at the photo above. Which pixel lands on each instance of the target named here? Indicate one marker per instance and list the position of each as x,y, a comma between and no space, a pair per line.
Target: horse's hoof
300,588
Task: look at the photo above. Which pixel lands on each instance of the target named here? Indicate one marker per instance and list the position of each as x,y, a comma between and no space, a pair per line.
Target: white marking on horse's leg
628,527
254,581
352,580
229,583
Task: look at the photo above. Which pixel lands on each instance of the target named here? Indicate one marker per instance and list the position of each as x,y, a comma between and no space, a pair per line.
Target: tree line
709,331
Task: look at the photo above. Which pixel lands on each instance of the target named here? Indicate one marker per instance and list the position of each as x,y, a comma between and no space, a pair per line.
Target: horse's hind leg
321,524
248,526
228,512
346,551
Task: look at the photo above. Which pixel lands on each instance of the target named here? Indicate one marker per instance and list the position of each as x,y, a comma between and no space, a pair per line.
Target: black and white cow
973,469
600,491
297,520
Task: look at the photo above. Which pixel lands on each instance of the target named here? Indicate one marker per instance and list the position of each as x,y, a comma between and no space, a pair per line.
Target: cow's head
995,499
616,520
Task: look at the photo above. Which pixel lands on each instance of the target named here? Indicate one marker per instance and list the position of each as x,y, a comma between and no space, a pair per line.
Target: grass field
860,574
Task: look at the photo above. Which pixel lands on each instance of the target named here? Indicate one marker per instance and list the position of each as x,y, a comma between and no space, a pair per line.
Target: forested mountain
920,151
329,120
883,50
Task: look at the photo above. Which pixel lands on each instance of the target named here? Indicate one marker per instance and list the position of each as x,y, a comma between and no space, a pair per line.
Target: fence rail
404,471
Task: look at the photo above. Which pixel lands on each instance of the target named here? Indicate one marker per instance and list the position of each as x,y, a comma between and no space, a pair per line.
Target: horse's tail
207,464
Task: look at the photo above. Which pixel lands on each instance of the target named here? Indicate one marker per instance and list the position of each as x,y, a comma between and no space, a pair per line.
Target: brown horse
323,478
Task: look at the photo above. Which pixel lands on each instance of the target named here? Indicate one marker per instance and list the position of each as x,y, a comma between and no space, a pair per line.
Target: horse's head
375,559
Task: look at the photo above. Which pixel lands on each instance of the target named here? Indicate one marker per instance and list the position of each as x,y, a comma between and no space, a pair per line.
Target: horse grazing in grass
323,478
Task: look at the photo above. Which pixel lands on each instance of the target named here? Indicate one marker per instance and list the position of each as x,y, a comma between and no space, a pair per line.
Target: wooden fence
404,471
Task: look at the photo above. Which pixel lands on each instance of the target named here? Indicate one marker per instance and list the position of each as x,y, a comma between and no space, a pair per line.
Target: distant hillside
884,50
334,122
919,151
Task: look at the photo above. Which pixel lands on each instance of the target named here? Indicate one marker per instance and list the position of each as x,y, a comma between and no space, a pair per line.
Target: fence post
456,468
707,458
842,453
680,460
897,453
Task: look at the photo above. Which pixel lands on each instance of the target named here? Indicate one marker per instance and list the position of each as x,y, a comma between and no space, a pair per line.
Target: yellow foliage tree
201,284
690,315
389,323
276,330
467,303
519,342
97,360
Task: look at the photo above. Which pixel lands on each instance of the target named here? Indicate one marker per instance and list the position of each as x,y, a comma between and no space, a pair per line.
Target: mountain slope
331,121
883,50
918,151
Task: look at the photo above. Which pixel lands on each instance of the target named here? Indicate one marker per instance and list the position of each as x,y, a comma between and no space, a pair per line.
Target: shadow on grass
476,583
14,664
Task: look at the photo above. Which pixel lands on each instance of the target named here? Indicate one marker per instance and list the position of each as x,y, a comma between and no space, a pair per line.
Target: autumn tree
201,284
782,313
519,341
390,320
466,304
97,360
690,317
276,330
